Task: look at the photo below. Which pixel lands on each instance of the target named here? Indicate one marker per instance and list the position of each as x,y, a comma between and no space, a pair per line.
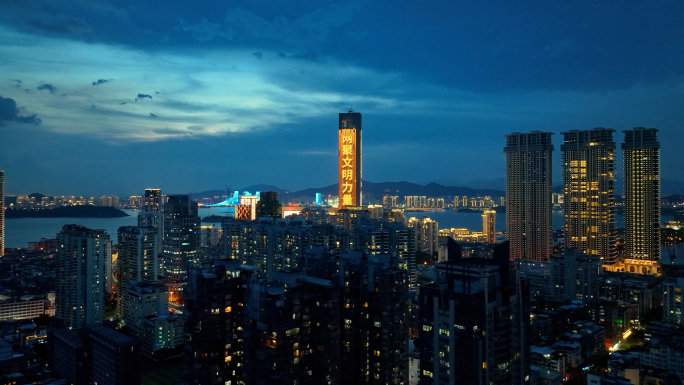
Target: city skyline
141,84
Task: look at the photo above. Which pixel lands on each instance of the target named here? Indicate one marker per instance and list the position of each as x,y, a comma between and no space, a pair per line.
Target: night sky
111,97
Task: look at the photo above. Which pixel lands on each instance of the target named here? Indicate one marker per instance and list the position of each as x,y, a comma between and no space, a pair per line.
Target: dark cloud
17,83
10,113
258,55
143,96
8,109
101,81
156,92
153,115
47,87
122,103
93,106
32,119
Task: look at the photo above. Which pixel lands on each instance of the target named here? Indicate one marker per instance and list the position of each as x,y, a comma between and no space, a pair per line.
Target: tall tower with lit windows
349,158
642,193
2,213
588,184
528,195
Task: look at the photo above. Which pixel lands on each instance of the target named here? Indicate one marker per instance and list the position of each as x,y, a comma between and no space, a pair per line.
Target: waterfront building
642,194
588,184
528,195
349,160
489,225
80,278
268,205
427,232
153,200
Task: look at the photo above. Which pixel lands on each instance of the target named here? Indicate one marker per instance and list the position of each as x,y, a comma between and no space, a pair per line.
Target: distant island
213,219
68,212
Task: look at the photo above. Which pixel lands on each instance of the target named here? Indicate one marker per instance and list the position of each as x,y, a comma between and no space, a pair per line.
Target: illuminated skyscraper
2,213
152,200
588,183
80,279
642,193
181,237
137,259
151,216
489,225
349,178
528,195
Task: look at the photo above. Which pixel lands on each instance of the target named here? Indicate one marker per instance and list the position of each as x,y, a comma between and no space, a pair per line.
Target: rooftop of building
111,335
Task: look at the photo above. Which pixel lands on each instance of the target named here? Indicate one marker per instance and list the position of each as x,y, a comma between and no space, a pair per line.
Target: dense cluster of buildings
361,294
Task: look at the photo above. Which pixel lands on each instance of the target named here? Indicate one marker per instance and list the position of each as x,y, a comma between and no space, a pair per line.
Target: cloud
33,119
101,81
195,128
258,55
153,115
206,30
10,113
47,87
143,96
167,131
17,83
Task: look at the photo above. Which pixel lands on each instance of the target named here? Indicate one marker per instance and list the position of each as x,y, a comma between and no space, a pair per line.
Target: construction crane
347,108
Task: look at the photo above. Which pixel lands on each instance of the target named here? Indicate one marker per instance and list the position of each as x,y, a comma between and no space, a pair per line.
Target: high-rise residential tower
349,178
473,323
588,183
181,237
2,213
642,194
80,281
137,259
489,225
151,216
152,200
528,195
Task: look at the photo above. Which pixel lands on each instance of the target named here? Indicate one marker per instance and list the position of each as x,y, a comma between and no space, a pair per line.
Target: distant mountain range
372,191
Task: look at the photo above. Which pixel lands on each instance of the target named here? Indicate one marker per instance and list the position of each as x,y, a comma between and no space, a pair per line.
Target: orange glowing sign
347,171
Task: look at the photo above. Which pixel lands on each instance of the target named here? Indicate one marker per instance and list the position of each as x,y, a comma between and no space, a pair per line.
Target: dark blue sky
106,97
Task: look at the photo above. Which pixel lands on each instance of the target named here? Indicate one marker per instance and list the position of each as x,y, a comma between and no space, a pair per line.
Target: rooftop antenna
347,108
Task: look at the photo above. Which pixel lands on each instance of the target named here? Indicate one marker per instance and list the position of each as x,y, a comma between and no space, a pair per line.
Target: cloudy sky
110,97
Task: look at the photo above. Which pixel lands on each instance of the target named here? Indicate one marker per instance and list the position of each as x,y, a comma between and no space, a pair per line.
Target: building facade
473,323
137,259
642,194
588,183
181,237
528,195
2,213
489,225
349,159
80,278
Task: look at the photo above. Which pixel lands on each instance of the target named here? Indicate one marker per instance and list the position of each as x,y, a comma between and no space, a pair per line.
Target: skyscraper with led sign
349,156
